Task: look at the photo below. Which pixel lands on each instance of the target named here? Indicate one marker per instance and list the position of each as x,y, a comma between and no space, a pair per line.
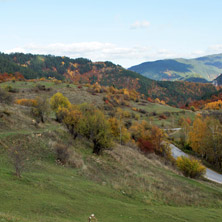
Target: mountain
207,67
84,71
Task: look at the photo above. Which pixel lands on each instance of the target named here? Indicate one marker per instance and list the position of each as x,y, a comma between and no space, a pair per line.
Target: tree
72,118
96,128
58,100
41,109
205,138
20,155
198,136
185,128
119,131
156,137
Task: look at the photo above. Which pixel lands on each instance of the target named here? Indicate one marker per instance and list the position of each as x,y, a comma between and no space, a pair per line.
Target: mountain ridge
206,67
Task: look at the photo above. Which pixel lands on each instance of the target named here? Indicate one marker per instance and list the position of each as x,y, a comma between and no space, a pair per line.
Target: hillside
218,81
122,184
82,70
207,67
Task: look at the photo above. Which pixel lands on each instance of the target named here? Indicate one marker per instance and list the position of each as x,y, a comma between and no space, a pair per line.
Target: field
55,193
120,185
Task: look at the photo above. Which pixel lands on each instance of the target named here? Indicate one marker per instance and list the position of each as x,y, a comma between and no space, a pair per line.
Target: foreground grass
55,193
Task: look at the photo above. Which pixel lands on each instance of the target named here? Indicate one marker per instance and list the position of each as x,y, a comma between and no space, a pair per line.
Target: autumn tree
185,128
41,109
119,130
156,137
205,139
198,135
72,118
96,128
57,102
139,130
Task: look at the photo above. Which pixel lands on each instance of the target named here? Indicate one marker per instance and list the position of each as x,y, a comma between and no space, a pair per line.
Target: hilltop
200,69
82,70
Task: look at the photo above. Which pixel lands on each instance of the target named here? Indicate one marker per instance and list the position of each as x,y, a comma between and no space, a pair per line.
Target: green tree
96,128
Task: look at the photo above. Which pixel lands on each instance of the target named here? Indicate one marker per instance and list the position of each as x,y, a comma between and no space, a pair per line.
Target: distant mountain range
201,69
83,71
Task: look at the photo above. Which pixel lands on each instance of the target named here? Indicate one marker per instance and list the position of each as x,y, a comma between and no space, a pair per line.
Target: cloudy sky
126,32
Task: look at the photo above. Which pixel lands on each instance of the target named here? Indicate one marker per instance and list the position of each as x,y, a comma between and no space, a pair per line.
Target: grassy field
55,193
121,185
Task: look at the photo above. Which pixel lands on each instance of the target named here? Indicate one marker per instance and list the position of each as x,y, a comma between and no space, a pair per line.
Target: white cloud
99,51
215,48
140,25
96,51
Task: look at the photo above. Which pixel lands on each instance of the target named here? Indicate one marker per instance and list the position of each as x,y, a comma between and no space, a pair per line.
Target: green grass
27,132
172,121
28,85
55,193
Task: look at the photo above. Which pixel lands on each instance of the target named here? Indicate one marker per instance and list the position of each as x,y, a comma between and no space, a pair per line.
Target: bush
11,89
26,102
145,146
5,97
65,156
62,153
190,167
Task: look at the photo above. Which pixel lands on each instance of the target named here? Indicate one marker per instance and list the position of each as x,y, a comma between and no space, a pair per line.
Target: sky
124,32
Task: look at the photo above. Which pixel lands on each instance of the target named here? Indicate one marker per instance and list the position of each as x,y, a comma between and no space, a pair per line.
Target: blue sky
124,32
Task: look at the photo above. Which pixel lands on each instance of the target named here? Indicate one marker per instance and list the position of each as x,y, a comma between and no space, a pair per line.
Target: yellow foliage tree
58,100
198,135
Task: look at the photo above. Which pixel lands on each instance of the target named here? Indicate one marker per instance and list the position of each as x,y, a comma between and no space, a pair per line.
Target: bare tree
19,156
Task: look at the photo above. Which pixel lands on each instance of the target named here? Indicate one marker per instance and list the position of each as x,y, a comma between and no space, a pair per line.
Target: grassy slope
122,185
54,193
78,96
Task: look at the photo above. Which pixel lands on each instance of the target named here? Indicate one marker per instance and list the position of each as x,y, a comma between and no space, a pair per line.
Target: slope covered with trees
84,71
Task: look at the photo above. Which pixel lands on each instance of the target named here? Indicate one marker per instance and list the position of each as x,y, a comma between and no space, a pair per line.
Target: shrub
190,167
26,102
5,97
11,89
145,146
62,153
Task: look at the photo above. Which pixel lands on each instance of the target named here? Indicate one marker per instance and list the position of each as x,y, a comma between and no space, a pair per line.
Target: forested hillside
83,71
